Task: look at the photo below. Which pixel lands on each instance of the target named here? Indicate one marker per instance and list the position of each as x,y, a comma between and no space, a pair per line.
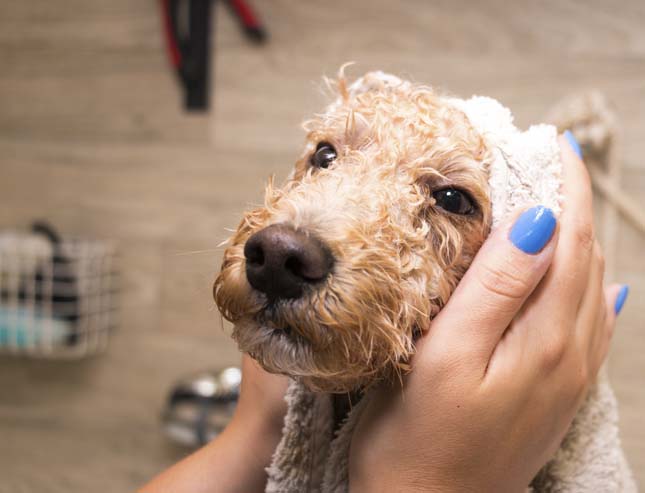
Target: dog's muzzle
282,262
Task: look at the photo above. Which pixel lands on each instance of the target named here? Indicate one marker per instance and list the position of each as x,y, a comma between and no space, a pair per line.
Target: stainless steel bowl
200,406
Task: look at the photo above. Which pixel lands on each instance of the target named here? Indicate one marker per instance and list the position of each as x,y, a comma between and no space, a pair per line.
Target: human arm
236,460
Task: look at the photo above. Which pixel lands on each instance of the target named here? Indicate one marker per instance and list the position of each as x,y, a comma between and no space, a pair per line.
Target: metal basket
57,300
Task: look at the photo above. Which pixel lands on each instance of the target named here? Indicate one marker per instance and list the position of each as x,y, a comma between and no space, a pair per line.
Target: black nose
281,261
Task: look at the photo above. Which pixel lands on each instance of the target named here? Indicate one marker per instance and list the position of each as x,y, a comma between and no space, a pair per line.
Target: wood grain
93,138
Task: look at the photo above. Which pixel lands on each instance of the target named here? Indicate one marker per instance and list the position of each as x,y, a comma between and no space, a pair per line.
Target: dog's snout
281,261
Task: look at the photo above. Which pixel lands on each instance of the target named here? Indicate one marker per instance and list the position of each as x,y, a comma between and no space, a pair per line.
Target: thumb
505,271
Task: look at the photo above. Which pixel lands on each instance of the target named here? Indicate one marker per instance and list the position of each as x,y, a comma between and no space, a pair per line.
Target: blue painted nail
533,229
621,298
573,143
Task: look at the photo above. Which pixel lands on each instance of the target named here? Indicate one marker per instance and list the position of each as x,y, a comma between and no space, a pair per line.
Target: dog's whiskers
198,252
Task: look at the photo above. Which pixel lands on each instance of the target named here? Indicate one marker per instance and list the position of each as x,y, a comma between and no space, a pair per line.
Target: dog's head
331,281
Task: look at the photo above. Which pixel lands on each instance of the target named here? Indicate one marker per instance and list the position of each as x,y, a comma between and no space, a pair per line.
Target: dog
331,281
345,266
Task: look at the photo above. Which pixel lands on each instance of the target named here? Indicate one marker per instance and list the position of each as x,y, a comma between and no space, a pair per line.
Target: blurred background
95,139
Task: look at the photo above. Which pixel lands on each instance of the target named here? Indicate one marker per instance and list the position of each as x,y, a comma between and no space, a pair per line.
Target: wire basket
57,297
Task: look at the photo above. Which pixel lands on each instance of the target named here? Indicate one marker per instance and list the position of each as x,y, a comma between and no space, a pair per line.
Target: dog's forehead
379,97
383,103
371,93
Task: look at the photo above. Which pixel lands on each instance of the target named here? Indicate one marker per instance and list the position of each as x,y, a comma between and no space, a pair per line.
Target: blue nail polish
533,229
621,298
573,143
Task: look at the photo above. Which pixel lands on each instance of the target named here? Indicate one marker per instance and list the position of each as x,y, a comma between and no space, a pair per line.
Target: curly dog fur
392,150
398,256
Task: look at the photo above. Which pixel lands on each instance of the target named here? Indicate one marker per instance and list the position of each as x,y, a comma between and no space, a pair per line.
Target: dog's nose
281,261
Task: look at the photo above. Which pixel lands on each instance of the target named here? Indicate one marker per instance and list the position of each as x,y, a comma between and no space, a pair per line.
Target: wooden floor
93,138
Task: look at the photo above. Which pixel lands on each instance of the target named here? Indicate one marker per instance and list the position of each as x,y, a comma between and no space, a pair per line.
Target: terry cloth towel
525,170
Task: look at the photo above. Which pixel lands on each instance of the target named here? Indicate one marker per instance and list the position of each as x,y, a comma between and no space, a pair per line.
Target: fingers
615,296
575,245
555,304
591,336
620,299
503,274
592,305
611,293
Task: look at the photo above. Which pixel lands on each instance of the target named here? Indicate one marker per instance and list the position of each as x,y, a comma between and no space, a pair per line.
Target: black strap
190,48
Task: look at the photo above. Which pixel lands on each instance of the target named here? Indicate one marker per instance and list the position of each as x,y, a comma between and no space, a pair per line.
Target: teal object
22,328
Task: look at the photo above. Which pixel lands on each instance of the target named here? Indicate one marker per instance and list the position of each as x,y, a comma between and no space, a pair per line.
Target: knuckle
553,352
444,365
600,257
580,380
602,262
585,236
504,282
440,366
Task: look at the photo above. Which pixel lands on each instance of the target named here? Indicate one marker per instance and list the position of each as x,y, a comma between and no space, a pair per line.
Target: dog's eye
323,156
453,200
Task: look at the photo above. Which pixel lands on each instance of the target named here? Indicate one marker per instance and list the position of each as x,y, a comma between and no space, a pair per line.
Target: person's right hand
262,399
237,459
498,379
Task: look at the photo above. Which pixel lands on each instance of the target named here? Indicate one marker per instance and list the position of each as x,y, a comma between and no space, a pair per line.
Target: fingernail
621,298
533,229
573,143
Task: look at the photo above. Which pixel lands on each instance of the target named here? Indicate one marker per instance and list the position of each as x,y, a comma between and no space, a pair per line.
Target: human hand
498,379
261,398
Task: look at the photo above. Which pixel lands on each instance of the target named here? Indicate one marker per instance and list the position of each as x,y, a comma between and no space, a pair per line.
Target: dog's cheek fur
397,261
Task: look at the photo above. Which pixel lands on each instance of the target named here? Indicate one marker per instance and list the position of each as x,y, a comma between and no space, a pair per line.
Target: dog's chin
277,349
284,351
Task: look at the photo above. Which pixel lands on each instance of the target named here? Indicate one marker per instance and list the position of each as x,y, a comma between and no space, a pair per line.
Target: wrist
412,478
261,428
376,482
